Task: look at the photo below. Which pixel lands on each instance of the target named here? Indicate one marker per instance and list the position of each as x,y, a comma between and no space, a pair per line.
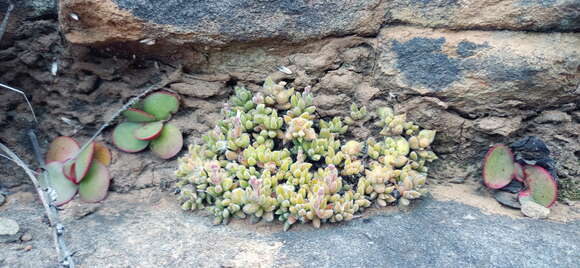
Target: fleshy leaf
161,104
519,172
65,189
61,149
149,131
96,184
124,139
83,162
68,169
543,187
169,143
498,167
139,116
102,153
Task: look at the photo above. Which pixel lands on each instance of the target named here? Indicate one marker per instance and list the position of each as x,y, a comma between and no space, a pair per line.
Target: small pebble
457,180
27,248
26,237
535,210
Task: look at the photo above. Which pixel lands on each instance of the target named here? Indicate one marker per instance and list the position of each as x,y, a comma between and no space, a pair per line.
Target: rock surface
129,231
8,230
178,22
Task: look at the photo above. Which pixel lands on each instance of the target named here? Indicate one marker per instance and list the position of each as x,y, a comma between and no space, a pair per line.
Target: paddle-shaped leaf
542,186
95,185
61,149
161,104
169,143
124,139
149,131
102,153
498,167
68,169
65,189
83,162
136,115
519,172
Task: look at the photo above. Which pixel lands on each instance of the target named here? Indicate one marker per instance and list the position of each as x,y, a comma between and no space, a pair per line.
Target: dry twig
47,199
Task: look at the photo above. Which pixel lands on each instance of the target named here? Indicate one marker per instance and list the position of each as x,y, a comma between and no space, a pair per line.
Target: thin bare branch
23,94
4,23
65,258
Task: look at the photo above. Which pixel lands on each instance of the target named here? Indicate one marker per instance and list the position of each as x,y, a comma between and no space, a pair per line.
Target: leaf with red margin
61,149
65,189
95,186
498,167
149,131
84,161
519,172
139,116
124,139
542,186
169,143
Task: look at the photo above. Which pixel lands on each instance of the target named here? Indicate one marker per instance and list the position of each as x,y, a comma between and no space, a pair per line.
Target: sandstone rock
481,73
199,89
534,210
202,22
216,22
537,15
504,126
8,230
553,117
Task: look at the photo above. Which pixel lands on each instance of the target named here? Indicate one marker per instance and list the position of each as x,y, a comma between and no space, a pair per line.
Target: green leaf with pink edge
169,143
124,139
139,116
65,189
95,185
68,169
542,186
149,131
61,149
519,172
498,167
161,104
83,162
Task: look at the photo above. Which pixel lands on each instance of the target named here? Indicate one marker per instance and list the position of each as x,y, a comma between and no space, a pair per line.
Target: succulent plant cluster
272,158
146,125
500,168
70,171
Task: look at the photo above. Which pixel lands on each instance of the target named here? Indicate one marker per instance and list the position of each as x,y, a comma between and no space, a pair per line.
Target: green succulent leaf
169,143
96,184
83,162
542,186
139,116
124,139
61,149
498,167
161,104
148,131
54,178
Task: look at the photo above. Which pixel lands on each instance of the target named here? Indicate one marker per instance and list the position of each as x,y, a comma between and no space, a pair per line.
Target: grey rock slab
8,230
129,232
